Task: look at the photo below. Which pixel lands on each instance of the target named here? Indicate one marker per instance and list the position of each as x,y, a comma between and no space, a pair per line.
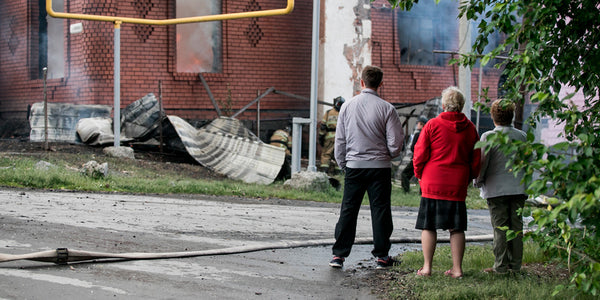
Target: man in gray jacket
504,192
368,136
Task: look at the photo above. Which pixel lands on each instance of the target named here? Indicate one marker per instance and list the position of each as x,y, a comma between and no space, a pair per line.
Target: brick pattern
253,31
13,39
278,55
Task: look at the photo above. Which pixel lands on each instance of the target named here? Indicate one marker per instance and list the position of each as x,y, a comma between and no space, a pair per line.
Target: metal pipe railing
230,16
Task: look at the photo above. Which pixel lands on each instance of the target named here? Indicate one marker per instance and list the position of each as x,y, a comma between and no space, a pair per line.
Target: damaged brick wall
362,42
415,83
275,52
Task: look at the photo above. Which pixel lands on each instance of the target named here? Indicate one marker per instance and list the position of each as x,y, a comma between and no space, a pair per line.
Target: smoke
427,27
198,44
56,42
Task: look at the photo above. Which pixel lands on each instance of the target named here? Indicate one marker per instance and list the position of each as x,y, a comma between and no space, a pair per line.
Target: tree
551,44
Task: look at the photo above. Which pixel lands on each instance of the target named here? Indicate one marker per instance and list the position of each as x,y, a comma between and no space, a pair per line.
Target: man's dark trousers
377,184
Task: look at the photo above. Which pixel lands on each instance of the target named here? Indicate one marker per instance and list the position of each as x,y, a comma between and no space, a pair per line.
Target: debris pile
224,145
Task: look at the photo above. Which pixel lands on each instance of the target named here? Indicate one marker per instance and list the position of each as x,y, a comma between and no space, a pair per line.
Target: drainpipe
297,143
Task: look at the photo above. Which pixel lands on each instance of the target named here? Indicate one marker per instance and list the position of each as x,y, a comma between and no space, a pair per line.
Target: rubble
124,152
94,169
44,165
317,181
224,145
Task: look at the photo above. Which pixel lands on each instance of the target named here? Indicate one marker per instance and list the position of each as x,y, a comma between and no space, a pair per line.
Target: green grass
130,177
134,176
536,281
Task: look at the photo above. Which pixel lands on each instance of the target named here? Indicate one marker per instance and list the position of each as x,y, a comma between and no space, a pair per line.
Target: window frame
173,51
441,23
38,37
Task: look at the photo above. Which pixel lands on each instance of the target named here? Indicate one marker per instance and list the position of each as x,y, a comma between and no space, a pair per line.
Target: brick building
249,56
414,50
239,59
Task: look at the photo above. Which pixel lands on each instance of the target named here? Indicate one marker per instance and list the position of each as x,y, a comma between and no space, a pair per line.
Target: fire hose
64,255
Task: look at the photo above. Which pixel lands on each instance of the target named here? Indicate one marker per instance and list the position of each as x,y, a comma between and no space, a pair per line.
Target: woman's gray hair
453,99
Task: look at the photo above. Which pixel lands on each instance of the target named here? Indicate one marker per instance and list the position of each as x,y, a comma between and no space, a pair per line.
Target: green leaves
550,44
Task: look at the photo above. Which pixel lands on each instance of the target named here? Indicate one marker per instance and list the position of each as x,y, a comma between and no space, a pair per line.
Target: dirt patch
381,283
547,270
14,129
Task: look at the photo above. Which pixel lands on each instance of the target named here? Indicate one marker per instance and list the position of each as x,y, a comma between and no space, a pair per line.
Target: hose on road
64,255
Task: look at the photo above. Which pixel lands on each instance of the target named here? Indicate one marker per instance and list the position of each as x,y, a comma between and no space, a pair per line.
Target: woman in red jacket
445,161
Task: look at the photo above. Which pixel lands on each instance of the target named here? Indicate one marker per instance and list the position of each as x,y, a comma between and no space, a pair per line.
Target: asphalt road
33,221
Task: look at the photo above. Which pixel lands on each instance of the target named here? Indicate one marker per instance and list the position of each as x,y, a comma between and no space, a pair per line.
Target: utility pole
314,88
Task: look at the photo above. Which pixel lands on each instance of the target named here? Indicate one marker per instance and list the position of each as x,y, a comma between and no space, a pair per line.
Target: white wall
345,48
550,133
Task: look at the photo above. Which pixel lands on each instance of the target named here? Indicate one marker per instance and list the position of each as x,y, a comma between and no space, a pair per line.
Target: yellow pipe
231,16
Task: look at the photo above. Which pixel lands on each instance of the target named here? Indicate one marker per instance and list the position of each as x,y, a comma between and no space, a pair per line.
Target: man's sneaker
385,262
337,262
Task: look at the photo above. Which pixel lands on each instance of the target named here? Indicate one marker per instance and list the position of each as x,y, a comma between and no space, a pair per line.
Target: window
48,42
198,44
427,27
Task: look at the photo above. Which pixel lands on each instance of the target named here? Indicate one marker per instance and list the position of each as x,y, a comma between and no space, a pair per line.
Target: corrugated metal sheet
227,147
140,119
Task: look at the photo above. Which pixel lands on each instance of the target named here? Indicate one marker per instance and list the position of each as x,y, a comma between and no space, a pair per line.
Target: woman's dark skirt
442,214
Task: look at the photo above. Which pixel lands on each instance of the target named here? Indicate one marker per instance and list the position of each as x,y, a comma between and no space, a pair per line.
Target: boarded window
198,44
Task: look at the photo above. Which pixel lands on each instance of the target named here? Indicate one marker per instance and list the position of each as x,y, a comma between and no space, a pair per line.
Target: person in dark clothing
409,171
368,136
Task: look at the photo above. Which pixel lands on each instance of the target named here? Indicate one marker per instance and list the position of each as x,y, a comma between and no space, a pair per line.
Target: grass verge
129,176
536,280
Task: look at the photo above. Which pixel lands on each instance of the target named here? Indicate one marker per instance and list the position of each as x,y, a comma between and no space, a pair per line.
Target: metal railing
114,19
